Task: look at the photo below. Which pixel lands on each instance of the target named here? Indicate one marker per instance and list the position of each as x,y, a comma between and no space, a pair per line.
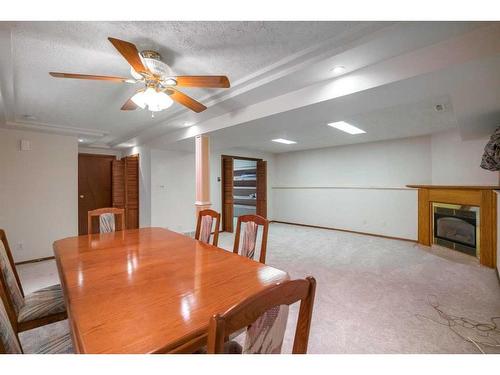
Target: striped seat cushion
8,339
206,228
266,334
57,345
107,223
42,303
53,338
249,239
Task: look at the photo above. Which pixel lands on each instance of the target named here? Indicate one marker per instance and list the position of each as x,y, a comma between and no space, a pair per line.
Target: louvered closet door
125,192
262,188
131,191
227,194
118,184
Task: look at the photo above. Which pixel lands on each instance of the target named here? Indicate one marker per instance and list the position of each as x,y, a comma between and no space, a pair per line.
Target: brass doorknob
81,196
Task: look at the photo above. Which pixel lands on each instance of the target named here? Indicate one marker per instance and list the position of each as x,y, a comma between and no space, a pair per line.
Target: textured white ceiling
264,60
398,110
236,49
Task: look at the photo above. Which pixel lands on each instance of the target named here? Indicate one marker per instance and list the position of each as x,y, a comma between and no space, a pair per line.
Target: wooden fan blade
129,106
185,100
130,53
88,76
203,81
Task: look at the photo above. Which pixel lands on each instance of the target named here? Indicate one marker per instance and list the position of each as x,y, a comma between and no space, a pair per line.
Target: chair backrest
107,219
204,226
254,308
9,280
249,240
9,341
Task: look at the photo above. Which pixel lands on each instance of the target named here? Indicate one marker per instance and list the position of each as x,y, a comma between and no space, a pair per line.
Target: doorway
244,188
105,181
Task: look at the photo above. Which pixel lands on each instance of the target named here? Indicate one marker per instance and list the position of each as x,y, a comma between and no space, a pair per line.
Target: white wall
377,211
456,162
322,186
38,191
388,164
357,187
173,190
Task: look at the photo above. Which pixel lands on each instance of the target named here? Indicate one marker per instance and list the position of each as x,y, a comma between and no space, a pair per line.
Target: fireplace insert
456,228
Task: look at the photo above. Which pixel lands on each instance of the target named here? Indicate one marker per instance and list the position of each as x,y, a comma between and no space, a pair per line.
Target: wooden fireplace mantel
480,196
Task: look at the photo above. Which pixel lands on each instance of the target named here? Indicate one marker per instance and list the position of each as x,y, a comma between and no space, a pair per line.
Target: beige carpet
369,291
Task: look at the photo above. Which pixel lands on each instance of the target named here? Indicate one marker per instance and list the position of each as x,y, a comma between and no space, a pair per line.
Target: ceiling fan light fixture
155,101
159,102
139,100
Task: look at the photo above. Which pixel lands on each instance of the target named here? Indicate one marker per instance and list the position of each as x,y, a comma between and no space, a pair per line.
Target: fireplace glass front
456,228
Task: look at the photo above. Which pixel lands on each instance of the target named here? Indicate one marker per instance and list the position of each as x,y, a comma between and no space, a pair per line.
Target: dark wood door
94,185
261,188
227,194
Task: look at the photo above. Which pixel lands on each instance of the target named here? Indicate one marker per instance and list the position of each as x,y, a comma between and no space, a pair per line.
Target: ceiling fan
160,85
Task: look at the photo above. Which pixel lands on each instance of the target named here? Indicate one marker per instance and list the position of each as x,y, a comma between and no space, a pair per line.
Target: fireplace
457,227
481,199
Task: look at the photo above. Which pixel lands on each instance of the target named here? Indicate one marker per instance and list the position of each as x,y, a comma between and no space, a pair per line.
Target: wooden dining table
150,290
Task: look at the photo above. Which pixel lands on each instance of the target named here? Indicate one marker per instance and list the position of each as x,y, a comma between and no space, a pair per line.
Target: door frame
222,157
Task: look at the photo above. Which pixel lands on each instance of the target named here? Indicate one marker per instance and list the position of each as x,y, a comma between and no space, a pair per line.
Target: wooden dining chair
107,219
36,309
265,315
249,240
10,343
204,226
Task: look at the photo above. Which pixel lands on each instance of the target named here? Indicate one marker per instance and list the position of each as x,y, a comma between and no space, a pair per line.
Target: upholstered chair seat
56,345
54,338
42,303
42,307
51,339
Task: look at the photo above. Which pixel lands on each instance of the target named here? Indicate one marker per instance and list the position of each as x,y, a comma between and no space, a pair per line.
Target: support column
202,173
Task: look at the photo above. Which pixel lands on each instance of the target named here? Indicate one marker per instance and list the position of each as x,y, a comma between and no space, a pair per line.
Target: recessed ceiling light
80,140
339,69
126,145
284,141
345,127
